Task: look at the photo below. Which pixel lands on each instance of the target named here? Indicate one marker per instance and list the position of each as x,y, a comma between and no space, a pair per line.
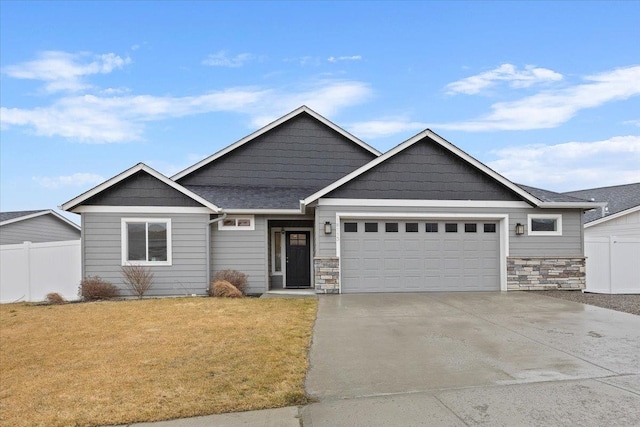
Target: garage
388,255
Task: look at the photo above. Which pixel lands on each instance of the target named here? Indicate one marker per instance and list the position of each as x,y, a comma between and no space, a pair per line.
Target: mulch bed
626,303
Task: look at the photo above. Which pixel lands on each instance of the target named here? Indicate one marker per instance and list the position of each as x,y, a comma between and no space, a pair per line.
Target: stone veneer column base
544,273
327,275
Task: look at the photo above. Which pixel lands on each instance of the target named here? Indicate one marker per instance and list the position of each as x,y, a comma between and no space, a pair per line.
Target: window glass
146,241
136,242
297,239
451,228
277,251
371,227
350,227
544,224
244,222
470,228
411,227
431,227
391,227
229,222
157,241
489,228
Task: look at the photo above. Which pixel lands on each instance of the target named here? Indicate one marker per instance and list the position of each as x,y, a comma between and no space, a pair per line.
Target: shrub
222,288
137,278
55,298
236,278
95,288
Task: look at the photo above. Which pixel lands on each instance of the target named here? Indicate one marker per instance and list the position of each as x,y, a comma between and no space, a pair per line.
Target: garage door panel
419,261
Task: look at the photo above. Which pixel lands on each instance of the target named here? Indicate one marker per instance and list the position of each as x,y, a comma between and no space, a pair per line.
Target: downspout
211,221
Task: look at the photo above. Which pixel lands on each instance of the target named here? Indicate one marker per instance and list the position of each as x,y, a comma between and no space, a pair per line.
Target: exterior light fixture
519,229
327,227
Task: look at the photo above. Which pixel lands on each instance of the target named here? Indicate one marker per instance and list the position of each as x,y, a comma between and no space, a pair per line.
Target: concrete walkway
462,359
472,359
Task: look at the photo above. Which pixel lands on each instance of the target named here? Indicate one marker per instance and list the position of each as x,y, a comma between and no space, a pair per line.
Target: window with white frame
146,241
544,224
237,222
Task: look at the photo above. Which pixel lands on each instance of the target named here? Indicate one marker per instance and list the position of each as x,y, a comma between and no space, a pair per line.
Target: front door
298,253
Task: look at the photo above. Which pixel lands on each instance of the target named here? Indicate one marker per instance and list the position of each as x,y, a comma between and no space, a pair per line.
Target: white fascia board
613,216
423,203
572,205
37,214
143,209
408,143
262,211
69,206
267,128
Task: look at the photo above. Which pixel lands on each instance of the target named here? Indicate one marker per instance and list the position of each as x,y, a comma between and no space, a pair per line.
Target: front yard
129,361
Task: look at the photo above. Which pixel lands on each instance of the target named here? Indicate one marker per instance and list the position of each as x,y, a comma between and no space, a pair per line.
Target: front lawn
129,361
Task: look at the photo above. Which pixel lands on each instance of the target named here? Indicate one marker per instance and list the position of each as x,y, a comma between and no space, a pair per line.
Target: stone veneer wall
542,273
327,274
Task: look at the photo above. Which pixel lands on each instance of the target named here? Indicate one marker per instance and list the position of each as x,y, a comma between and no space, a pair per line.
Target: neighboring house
36,226
612,239
301,203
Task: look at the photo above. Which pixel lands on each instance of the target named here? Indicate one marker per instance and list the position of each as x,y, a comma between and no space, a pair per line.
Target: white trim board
423,203
502,218
267,128
37,214
142,209
71,204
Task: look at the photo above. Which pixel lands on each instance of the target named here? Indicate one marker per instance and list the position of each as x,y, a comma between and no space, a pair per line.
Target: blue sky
545,93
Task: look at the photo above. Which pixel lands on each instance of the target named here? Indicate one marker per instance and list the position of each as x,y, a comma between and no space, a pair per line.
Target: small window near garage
246,222
545,225
391,227
371,227
471,228
350,227
489,228
431,227
411,227
451,227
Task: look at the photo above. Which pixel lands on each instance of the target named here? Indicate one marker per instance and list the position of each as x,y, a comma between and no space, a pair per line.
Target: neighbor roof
619,198
17,216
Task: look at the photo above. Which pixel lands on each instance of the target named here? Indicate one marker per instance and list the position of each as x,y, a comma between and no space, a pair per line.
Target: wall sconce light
327,227
519,229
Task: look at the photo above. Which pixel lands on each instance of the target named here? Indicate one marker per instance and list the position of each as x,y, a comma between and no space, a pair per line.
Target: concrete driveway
513,359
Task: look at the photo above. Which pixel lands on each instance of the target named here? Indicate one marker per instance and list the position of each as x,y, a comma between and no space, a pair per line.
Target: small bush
137,278
95,288
55,298
222,288
236,278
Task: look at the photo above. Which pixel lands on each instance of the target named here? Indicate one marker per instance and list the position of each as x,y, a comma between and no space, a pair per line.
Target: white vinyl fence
613,264
29,271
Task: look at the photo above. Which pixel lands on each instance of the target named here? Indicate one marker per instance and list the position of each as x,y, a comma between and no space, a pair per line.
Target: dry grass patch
120,362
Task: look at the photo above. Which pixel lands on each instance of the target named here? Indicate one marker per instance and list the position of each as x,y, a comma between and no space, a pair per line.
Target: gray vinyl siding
102,252
242,250
569,244
424,171
44,228
141,189
301,152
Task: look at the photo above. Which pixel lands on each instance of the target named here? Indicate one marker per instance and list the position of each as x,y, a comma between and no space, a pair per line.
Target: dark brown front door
298,247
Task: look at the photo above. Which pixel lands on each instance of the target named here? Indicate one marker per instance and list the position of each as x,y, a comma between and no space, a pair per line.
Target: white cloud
344,58
75,180
504,73
222,59
385,127
102,119
572,165
549,109
63,71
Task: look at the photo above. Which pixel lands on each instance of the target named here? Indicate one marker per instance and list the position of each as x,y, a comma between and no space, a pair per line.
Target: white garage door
414,256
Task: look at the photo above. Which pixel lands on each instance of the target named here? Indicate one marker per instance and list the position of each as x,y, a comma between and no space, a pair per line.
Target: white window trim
125,242
557,217
251,227
273,252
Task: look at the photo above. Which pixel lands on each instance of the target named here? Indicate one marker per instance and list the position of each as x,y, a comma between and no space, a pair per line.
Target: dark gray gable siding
424,171
301,152
141,189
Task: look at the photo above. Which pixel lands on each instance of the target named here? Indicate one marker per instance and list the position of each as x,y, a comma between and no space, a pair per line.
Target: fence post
27,249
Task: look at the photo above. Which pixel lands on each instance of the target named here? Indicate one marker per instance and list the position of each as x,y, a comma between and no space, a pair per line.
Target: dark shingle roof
236,197
549,196
618,197
6,216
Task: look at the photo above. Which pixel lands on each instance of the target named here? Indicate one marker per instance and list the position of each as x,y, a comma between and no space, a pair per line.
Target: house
301,203
36,226
612,239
